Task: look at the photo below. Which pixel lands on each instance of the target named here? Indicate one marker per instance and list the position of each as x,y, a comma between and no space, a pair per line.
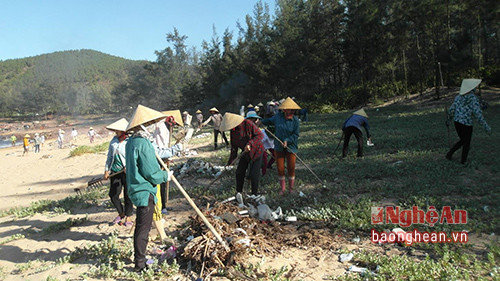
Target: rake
94,183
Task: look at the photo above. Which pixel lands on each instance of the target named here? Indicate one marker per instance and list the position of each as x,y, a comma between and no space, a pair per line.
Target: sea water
7,143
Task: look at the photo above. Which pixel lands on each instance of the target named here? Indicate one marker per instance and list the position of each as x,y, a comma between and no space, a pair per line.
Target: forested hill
79,81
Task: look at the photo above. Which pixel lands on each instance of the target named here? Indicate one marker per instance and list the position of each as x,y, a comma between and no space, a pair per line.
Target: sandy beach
49,174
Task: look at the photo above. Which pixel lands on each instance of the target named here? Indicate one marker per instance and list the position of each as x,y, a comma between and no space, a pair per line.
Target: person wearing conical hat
353,125
250,108
464,107
199,119
216,119
26,144
115,165
287,131
245,135
143,175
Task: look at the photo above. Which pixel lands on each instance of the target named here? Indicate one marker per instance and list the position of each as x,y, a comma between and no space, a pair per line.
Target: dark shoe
139,269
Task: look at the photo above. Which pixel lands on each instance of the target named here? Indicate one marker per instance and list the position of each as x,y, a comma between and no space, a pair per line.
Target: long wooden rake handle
288,149
190,201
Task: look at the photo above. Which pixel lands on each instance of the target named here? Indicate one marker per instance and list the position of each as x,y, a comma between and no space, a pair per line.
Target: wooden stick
190,201
288,149
204,257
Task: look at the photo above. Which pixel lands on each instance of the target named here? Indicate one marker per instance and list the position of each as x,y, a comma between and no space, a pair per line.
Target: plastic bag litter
265,212
346,257
354,268
252,211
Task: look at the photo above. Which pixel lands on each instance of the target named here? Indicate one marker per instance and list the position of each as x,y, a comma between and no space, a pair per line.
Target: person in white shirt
60,138
161,135
74,134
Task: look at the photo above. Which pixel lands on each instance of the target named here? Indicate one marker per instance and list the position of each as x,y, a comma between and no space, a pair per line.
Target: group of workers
132,165
135,150
37,141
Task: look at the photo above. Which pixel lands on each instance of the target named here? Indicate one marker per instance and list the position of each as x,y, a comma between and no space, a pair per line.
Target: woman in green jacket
143,175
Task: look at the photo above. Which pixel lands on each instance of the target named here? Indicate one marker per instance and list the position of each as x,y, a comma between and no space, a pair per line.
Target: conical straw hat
360,112
250,106
289,104
213,109
27,136
120,125
468,85
260,104
230,120
144,116
198,111
176,114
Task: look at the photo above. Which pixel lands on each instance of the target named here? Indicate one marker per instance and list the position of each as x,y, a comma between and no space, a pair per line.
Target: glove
169,175
447,123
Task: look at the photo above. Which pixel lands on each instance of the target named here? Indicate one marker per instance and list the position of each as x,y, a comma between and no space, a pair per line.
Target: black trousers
163,192
216,137
115,189
465,134
253,168
143,224
347,136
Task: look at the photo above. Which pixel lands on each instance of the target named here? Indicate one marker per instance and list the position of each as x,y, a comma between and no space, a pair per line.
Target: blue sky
128,29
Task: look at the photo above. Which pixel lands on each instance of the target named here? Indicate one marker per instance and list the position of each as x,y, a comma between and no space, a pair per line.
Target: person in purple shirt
353,125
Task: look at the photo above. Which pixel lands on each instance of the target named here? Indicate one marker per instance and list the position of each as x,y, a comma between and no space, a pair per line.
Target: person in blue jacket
286,146
353,125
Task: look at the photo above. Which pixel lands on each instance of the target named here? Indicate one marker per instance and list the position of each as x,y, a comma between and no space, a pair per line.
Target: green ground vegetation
406,167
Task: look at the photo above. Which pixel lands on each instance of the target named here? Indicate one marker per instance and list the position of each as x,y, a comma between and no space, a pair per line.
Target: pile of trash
249,228
198,167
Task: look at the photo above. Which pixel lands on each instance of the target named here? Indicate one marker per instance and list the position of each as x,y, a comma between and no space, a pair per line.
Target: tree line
332,54
339,53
